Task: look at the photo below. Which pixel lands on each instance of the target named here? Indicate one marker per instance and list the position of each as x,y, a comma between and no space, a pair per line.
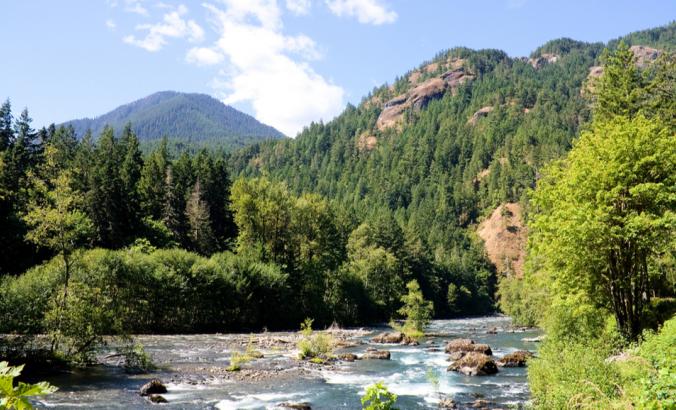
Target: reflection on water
334,387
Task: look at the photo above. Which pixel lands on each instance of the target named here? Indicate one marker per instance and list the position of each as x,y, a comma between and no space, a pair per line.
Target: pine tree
152,185
6,121
173,213
130,173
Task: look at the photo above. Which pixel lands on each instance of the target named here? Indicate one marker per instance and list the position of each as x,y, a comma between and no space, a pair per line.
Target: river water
182,360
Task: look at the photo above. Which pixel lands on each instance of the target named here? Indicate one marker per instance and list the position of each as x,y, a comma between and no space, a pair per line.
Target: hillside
188,118
449,142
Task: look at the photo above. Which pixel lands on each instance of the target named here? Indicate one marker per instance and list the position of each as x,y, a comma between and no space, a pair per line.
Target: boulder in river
515,359
474,364
447,403
348,357
468,345
157,399
389,337
295,406
376,354
155,386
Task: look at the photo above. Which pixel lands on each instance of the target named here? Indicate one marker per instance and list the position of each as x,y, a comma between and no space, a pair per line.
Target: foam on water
255,401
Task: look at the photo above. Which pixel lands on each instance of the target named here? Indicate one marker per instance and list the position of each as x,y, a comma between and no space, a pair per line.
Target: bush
377,397
314,345
136,360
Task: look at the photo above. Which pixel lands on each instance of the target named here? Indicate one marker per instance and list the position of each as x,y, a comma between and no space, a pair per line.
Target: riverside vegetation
99,240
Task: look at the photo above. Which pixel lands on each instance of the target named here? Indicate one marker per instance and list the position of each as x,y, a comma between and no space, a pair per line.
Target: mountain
184,117
450,149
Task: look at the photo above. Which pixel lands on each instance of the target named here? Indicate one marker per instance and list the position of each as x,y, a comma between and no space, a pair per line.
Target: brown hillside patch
366,142
504,236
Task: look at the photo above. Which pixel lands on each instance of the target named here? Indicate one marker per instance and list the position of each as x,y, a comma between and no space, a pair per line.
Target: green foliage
16,397
657,385
377,397
136,359
416,310
314,345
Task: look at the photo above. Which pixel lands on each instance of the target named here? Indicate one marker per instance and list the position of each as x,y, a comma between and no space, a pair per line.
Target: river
192,367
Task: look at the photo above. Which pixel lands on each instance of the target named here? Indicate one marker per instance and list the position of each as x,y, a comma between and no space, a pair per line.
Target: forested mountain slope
182,117
448,142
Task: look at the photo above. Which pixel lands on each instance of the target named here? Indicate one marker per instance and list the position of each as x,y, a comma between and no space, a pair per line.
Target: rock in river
295,406
154,386
389,337
474,364
348,357
467,345
157,399
515,359
376,354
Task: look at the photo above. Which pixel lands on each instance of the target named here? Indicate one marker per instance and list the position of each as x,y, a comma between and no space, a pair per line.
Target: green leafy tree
605,213
56,222
416,310
16,397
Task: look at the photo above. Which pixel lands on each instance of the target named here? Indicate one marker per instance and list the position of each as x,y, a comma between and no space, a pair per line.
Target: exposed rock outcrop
366,141
643,55
482,112
418,97
515,359
474,364
466,346
544,58
504,235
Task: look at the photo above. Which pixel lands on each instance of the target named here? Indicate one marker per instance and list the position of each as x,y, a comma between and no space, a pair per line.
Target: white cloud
270,69
366,11
135,6
298,7
173,25
203,56
111,24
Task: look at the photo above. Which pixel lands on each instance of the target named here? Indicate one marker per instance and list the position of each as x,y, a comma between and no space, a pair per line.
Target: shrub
136,360
377,397
314,345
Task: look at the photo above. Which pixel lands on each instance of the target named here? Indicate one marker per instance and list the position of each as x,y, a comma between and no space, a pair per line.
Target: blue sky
287,62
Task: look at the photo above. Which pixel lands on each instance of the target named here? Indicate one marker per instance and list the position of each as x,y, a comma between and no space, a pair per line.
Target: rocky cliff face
643,56
421,93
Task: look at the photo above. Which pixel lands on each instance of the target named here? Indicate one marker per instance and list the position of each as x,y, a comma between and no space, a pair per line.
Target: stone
157,399
515,359
389,337
348,357
295,406
474,364
453,356
447,403
376,354
467,345
155,386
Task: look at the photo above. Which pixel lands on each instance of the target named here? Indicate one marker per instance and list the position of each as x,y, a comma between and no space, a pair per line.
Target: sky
286,62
